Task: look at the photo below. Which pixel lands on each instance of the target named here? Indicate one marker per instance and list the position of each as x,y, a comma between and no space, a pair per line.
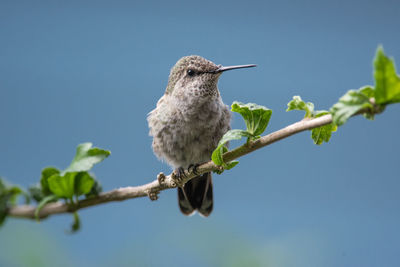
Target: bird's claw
193,168
153,195
179,174
161,178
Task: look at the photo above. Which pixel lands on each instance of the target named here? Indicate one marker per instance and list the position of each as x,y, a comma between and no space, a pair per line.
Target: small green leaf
8,197
86,157
2,186
75,180
387,82
63,186
320,113
35,191
95,191
368,91
218,171
3,201
3,211
298,104
10,192
255,116
43,202
221,149
323,133
320,134
231,164
83,183
349,104
13,192
46,174
70,184
76,224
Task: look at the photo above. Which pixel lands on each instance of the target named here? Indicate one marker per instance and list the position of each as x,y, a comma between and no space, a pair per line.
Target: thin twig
165,182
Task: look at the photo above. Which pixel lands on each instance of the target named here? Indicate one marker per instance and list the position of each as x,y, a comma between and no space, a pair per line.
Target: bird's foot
153,195
178,175
161,178
193,168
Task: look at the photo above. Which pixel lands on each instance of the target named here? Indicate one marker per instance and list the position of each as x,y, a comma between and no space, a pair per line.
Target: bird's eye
190,72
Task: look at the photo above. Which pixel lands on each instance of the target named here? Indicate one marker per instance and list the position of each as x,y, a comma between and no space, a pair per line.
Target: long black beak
221,68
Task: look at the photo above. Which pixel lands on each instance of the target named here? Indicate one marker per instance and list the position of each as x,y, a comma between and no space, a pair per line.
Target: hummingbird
187,124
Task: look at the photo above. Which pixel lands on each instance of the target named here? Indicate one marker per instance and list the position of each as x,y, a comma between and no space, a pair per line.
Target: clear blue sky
77,71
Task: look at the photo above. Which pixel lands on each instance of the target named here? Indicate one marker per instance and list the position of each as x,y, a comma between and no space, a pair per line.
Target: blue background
77,71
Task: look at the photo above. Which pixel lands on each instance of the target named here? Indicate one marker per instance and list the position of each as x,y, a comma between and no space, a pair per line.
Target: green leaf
2,186
70,184
3,211
368,91
387,82
3,201
9,193
76,224
231,164
46,174
43,202
349,104
95,191
35,191
40,191
75,180
298,104
86,157
323,133
320,113
8,197
13,192
83,183
255,116
320,134
63,186
221,149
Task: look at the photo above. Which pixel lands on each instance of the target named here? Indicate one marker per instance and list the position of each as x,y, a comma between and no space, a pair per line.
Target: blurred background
78,71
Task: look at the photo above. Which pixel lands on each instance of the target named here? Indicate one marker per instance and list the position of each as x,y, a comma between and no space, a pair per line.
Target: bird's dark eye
190,72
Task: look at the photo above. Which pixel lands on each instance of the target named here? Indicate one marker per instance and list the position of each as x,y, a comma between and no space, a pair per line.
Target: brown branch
165,182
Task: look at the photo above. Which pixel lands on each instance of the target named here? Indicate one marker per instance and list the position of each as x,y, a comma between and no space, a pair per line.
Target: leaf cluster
320,134
8,197
69,184
256,118
370,100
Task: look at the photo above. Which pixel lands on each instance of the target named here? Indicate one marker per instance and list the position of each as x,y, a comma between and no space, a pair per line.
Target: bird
187,124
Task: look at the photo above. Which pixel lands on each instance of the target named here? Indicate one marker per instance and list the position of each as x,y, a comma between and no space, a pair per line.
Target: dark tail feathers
197,194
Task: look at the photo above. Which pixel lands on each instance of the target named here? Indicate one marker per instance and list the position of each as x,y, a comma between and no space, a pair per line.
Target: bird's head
196,76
